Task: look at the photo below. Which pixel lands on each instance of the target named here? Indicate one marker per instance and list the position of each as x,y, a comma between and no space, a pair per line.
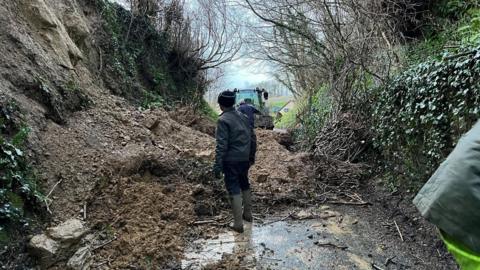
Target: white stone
45,248
69,231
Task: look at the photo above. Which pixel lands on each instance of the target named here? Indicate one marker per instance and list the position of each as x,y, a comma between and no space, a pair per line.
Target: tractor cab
256,98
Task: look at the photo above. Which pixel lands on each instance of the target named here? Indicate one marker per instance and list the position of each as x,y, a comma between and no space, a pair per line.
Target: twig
53,188
85,211
47,204
100,264
282,219
390,260
348,203
227,242
273,259
328,244
399,232
48,207
202,222
104,244
376,267
460,55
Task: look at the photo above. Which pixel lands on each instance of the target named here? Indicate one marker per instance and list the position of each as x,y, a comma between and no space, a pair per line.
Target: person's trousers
236,176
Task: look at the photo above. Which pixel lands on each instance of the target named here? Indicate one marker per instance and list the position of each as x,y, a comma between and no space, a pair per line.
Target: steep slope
97,156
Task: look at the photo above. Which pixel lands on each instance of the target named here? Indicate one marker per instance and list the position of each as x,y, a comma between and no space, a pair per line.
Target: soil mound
278,175
134,172
188,116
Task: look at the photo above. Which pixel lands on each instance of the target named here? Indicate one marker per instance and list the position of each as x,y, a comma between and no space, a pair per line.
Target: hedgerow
420,114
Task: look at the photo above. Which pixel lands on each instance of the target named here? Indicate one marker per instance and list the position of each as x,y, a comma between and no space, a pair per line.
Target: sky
241,73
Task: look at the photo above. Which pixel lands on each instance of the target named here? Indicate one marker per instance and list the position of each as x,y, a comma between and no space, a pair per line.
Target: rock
202,209
39,13
169,189
81,260
302,214
205,154
69,231
44,248
47,25
198,190
262,178
76,27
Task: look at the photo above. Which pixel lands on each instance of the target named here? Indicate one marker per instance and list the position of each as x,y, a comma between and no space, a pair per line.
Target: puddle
308,244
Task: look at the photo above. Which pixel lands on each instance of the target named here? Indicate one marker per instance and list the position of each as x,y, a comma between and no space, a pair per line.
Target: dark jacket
250,112
236,140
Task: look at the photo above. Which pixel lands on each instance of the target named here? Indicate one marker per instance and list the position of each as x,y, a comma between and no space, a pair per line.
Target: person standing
249,110
235,150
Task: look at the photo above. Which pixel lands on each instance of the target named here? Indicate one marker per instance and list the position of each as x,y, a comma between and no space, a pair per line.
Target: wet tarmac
329,240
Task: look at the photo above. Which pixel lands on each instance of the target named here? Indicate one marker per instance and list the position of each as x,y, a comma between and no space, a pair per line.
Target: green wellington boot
236,201
247,205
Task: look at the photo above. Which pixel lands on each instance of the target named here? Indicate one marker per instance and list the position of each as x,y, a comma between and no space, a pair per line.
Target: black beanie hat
226,98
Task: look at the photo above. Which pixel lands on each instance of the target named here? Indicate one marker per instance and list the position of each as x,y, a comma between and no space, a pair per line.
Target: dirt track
141,180
149,194
145,182
295,228
151,201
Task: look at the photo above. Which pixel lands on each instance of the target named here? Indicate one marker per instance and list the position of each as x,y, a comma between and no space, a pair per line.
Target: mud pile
279,175
134,173
193,118
136,177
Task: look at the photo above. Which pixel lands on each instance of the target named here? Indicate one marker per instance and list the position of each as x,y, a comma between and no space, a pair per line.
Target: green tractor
257,98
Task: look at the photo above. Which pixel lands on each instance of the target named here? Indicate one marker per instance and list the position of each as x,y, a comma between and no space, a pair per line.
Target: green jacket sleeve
221,149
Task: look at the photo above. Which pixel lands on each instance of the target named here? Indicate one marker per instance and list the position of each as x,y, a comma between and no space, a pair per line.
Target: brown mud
143,183
141,179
